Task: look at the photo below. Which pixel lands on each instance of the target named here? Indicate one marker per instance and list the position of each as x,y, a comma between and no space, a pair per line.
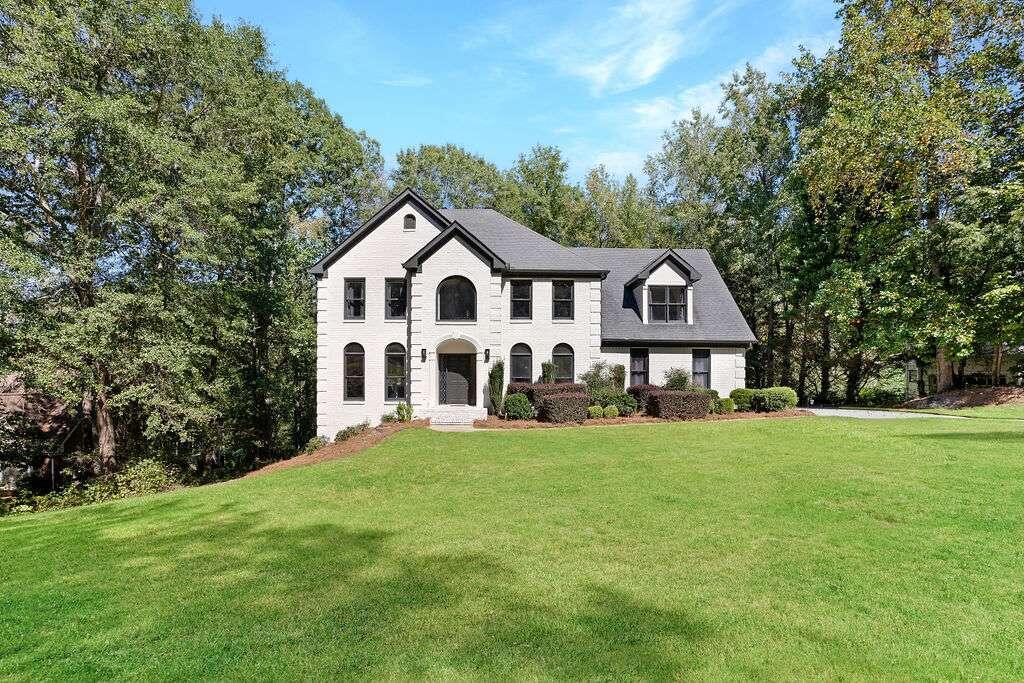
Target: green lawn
801,548
1004,412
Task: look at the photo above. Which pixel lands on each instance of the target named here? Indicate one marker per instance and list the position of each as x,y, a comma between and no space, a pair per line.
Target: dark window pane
563,309
355,295
521,368
658,313
702,368
638,359
521,310
675,295
522,299
409,222
456,299
562,299
657,295
354,386
562,357
675,312
395,299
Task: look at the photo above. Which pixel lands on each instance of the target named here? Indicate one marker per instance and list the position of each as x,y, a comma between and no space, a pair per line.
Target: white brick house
418,303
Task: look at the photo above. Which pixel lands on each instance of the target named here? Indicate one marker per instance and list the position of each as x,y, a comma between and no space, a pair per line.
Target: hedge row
535,391
568,407
679,405
770,400
642,393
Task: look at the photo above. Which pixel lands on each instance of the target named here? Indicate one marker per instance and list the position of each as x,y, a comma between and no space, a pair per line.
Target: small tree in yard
496,386
677,378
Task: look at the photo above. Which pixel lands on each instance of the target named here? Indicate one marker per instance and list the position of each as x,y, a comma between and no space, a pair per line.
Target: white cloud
622,51
408,81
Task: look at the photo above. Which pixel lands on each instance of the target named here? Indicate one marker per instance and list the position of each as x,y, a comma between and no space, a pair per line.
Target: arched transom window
394,372
456,299
562,357
521,363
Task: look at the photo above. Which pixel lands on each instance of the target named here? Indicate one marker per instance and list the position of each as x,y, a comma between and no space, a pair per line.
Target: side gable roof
671,256
406,195
454,230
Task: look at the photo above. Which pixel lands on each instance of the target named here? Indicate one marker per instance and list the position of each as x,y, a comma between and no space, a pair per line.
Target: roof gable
670,256
408,195
415,262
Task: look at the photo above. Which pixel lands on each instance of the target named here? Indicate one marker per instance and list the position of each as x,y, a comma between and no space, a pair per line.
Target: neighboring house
418,303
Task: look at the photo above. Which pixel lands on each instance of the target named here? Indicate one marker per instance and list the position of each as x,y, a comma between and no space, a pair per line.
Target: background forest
163,187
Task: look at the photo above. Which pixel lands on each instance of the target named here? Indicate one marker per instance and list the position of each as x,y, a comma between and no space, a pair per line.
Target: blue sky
601,80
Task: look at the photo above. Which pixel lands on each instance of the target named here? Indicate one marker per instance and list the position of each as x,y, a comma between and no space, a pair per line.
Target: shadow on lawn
1008,438
221,591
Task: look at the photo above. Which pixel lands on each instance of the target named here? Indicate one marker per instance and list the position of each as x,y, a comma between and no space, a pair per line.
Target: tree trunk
786,375
801,382
103,423
997,364
943,371
922,386
825,361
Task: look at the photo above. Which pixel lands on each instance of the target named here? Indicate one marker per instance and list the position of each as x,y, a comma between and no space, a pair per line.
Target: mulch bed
493,422
970,398
343,449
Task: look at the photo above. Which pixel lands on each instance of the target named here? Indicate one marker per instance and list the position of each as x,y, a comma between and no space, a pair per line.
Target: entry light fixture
423,355
487,355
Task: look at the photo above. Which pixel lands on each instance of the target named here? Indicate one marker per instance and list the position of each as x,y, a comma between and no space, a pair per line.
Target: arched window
456,299
355,372
562,357
394,372
521,365
409,222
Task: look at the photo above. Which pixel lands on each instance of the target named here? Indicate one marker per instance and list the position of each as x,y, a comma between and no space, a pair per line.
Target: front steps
454,415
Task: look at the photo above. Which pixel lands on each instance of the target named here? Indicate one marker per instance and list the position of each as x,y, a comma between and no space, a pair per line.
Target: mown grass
1002,412
804,548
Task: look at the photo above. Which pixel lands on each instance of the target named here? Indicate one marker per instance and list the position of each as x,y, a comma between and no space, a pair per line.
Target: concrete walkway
876,414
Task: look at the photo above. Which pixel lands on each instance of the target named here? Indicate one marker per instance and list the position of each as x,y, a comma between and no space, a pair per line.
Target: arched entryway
456,372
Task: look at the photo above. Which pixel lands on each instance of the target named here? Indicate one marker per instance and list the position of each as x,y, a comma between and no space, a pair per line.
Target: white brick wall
728,365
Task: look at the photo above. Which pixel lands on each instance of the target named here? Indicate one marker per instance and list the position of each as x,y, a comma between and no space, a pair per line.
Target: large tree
448,176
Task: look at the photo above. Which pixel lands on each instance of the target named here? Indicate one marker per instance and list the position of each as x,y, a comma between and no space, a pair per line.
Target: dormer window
409,223
666,304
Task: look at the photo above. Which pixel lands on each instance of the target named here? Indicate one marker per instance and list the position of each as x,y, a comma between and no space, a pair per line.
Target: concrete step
456,416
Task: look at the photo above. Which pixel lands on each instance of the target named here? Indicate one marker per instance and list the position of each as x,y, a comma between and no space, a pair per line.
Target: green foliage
595,412
518,407
723,406
743,398
496,385
641,393
315,444
139,478
611,411
604,377
547,372
677,379
623,402
774,399
619,376
449,176
351,430
404,412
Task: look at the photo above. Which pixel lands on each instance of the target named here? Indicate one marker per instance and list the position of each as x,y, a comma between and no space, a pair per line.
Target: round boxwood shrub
518,407
595,412
774,399
723,406
611,411
743,398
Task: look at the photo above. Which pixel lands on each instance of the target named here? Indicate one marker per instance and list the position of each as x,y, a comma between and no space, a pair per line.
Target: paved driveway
876,414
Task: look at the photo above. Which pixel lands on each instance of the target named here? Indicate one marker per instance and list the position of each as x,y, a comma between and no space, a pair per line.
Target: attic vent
410,222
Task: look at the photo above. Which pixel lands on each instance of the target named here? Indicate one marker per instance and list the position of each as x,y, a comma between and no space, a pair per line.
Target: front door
456,379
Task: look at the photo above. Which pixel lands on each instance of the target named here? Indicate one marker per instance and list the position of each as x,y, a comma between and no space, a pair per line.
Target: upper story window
355,298
702,368
409,222
562,357
562,307
394,372
355,372
666,304
456,299
522,299
395,298
521,365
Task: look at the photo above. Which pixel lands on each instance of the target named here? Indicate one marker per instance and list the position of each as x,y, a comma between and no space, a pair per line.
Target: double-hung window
522,299
355,371
638,366
395,298
394,372
355,298
666,304
561,300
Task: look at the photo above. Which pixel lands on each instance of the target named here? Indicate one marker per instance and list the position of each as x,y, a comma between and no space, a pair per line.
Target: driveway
876,414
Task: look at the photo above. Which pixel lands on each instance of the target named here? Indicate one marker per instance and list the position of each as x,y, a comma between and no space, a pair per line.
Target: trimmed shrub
349,432
743,398
535,392
389,417
569,407
679,405
524,388
315,444
547,372
774,399
496,385
641,393
518,407
611,411
595,412
404,412
623,402
677,379
723,406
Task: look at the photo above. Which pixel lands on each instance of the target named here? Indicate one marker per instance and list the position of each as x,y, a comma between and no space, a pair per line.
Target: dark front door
457,375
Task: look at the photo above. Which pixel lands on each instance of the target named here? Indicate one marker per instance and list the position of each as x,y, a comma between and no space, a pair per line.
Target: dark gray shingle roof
716,317
518,246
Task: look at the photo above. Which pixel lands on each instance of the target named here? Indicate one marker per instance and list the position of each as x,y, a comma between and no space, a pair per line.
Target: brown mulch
493,422
343,449
970,398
